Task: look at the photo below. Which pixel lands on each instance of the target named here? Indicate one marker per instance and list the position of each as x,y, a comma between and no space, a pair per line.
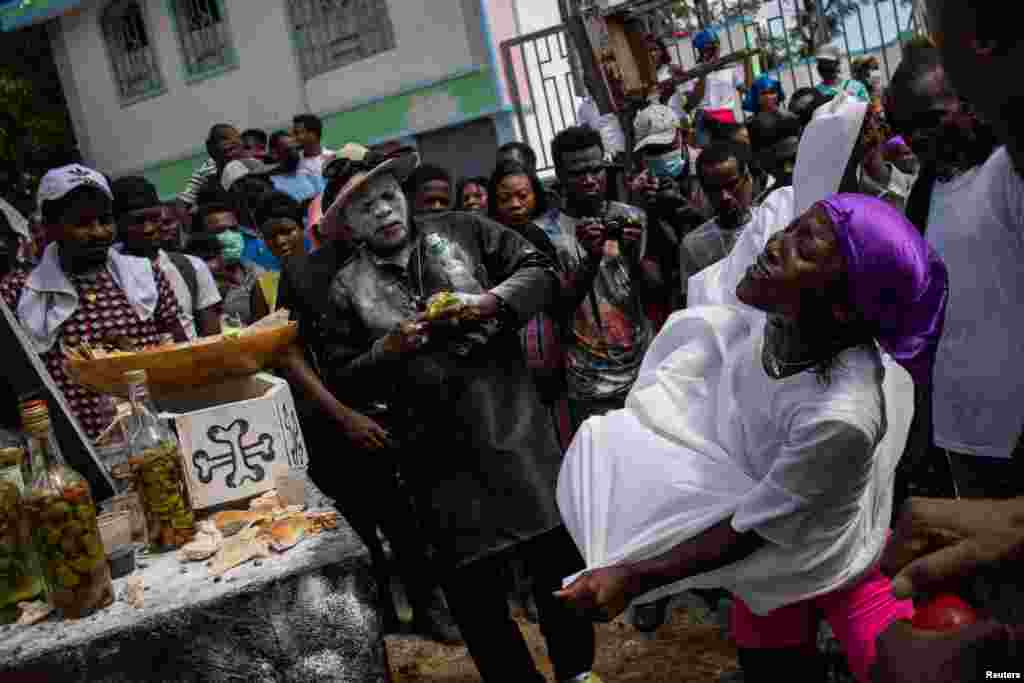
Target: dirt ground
687,649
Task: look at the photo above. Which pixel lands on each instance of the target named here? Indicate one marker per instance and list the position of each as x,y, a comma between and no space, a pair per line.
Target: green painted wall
371,122
170,178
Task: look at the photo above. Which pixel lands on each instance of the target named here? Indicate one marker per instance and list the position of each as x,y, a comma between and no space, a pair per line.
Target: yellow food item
440,303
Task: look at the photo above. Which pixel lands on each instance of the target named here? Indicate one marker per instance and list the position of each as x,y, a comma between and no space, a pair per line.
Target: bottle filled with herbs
61,513
160,476
20,579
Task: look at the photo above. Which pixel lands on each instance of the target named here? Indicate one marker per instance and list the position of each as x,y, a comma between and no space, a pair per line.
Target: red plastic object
946,612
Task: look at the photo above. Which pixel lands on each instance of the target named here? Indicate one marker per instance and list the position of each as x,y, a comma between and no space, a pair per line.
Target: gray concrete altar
306,615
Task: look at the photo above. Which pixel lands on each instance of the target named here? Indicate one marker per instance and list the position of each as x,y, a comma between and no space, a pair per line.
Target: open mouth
391,229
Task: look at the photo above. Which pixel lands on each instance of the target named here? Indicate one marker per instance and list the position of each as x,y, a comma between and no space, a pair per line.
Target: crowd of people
748,304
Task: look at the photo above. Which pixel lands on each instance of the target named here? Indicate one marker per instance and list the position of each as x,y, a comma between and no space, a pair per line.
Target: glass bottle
62,514
160,477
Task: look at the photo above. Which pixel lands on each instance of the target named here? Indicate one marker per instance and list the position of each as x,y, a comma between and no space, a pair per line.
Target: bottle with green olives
61,513
160,476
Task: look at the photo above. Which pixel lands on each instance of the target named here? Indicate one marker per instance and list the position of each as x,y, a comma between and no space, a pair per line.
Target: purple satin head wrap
897,281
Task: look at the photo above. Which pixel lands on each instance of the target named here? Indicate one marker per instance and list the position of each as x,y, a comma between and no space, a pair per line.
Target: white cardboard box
237,437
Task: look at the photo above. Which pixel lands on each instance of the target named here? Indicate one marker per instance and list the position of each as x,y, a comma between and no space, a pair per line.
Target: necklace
774,338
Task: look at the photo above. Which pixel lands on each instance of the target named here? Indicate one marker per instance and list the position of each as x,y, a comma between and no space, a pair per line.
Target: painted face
584,175
433,196
379,215
283,237
86,231
140,230
798,264
516,200
729,192
474,197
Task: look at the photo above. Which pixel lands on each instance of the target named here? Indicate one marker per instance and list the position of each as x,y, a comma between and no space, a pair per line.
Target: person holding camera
669,193
606,278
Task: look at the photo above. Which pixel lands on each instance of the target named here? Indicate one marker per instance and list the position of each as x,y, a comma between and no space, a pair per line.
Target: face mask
232,244
875,77
669,165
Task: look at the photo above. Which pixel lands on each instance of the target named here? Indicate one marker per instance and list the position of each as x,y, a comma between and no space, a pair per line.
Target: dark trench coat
478,448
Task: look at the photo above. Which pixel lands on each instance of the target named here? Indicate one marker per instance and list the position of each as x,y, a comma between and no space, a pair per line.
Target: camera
615,227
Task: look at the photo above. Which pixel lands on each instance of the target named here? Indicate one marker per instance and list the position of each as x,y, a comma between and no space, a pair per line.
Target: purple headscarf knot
897,281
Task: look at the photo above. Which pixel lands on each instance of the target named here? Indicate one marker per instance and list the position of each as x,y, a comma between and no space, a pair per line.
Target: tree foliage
35,126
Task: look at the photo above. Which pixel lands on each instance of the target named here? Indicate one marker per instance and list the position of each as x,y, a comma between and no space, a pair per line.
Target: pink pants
857,614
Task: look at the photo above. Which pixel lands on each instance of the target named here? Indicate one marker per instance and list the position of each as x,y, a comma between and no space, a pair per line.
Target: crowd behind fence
544,92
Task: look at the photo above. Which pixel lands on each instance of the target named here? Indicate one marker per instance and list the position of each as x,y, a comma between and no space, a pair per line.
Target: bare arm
603,594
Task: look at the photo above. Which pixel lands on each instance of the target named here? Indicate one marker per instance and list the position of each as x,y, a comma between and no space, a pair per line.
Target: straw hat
400,167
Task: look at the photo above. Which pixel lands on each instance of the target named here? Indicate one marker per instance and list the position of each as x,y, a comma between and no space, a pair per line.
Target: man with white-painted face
461,416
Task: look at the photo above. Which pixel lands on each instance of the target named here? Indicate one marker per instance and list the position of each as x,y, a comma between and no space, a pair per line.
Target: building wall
438,76
430,43
265,90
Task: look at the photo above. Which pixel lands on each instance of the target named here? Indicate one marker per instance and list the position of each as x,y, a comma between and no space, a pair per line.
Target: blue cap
705,38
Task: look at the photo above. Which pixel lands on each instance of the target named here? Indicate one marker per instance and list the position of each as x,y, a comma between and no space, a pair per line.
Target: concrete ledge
307,615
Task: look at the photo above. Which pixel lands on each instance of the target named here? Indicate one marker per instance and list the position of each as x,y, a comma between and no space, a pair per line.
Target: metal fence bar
881,35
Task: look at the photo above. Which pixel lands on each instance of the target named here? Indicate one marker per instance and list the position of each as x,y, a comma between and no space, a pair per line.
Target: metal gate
543,90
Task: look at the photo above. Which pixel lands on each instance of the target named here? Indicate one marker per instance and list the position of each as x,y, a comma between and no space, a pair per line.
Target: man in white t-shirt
139,215
714,96
307,129
971,205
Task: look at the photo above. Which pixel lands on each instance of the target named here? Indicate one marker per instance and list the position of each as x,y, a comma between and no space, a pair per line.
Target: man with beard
139,215
299,185
971,218
724,173
83,290
465,424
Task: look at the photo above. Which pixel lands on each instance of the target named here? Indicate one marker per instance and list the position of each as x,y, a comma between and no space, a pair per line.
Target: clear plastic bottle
160,477
62,513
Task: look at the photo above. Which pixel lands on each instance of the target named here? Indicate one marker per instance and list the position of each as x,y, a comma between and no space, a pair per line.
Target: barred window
330,34
132,55
204,37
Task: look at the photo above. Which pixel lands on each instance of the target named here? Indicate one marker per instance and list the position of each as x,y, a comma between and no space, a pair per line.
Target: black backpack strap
188,273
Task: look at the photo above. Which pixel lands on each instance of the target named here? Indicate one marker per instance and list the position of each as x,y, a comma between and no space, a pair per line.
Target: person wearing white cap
84,291
462,417
828,68
669,192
